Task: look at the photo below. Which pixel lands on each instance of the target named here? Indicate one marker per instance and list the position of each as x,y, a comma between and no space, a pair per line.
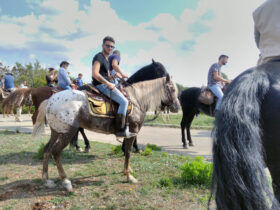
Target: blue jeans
117,96
217,90
65,87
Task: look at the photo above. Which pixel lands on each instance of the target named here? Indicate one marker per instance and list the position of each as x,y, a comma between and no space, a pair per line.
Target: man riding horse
215,79
101,79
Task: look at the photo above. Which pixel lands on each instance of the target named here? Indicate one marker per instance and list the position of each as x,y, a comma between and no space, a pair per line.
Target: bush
153,147
197,172
147,152
40,154
117,149
165,182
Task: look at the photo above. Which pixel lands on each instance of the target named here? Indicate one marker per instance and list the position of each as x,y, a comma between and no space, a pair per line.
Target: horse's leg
74,142
128,147
34,116
183,126
135,145
87,148
29,110
47,151
168,115
18,114
64,140
189,122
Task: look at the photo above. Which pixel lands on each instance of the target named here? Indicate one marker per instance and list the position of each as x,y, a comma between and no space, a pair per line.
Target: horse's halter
169,92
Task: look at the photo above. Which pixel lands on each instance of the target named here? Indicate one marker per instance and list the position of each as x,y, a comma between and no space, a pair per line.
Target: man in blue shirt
63,78
9,84
115,70
79,81
215,79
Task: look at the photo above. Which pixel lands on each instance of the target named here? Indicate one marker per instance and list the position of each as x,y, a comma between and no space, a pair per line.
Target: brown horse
68,110
17,99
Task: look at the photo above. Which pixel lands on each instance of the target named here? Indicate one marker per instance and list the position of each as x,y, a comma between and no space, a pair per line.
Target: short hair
63,63
51,69
80,74
116,52
222,56
108,38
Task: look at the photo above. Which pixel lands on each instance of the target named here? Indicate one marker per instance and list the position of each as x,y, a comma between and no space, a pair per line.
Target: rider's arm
96,75
219,78
257,36
116,67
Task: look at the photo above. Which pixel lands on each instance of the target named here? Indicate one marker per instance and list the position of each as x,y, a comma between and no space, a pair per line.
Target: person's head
64,64
24,82
51,70
117,52
80,76
223,59
108,45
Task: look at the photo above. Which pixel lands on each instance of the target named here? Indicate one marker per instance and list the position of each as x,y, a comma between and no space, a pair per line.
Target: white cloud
231,33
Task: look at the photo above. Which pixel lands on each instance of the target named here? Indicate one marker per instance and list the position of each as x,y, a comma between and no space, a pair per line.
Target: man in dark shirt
115,70
101,79
51,78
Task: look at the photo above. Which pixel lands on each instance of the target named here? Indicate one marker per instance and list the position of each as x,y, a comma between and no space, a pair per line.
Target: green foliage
33,73
197,172
180,88
153,147
147,152
165,182
117,149
40,153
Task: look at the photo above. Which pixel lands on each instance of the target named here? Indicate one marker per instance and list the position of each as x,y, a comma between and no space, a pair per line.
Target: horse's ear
167,78
153,61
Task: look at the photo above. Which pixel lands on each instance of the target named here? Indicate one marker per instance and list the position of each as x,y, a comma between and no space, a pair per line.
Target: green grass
201,121
97,178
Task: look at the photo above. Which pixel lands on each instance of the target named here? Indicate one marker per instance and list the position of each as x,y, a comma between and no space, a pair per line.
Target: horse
13,100
67,111
246,141
191,107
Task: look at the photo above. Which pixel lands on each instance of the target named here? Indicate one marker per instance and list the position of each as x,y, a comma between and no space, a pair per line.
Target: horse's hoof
50,184
185,146
67,185
86,150
191,144
132,180
79,149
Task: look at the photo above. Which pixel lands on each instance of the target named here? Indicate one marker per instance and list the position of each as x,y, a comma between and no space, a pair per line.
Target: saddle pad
100,107
206,97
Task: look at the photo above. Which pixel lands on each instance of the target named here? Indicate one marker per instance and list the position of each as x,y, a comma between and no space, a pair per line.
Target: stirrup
125,133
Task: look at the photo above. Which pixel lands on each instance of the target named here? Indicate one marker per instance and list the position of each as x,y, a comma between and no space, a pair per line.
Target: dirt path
167,138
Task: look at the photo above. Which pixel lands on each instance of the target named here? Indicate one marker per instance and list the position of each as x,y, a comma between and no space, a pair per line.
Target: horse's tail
40,120
15,99
239,173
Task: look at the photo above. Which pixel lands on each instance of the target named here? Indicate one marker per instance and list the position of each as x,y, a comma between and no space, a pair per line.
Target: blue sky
187,36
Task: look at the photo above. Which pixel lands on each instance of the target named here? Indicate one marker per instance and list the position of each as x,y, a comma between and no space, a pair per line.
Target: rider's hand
111,86
229,81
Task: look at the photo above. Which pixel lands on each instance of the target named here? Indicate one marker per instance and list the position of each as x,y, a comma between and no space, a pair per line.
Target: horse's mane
148,94
152,71
15,99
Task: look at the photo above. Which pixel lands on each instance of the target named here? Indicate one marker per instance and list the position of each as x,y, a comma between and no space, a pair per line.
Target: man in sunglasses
101,79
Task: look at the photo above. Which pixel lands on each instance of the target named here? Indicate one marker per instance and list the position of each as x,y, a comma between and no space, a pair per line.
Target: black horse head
153,71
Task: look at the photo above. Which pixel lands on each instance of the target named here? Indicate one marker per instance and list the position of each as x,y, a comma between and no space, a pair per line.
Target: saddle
5,93
206,96
100,105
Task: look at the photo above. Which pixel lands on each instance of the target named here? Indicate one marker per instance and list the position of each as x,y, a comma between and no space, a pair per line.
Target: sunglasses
109,46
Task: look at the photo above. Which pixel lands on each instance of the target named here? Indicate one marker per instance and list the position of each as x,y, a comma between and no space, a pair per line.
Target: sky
186,36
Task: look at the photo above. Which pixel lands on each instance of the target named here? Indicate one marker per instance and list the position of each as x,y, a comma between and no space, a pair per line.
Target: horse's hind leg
183,126
64,140
47,151
82,131
128,147
188,127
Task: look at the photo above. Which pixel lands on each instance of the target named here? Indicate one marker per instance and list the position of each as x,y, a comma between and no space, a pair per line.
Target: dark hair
80,74
63,63
108,38
222,56
51,69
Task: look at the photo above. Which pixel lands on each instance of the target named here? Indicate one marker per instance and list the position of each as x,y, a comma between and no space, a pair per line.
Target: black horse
191,107
153,71
246,140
